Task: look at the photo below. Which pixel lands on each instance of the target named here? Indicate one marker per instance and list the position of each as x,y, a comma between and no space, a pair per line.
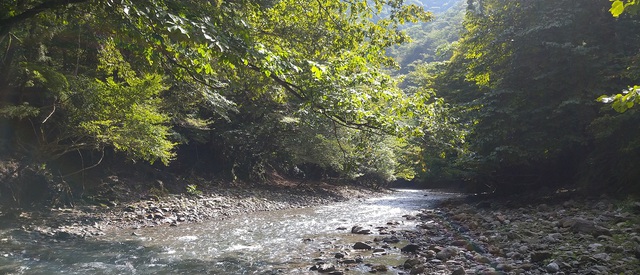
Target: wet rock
339,255
361,245
420,269
379,268
409,217
323,267
392,239
410,248
356,229
348,261
62,235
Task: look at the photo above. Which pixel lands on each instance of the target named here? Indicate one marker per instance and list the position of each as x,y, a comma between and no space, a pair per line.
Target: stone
604,257
361,245
600,269
339,255
526,266
348,261
62,235
483,259
392,239
323,267
552,268
540,256
356,229
459,271
410,263
579,225
460,243
410,248
553,238
636,207
409,217
447,253
379,268
417,270
594,246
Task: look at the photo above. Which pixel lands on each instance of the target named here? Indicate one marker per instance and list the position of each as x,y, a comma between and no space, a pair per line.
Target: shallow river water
274,242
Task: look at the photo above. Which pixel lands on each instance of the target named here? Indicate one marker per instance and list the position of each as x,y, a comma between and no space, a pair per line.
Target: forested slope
522,86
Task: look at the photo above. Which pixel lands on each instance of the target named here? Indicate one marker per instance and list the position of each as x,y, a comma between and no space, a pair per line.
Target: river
274,242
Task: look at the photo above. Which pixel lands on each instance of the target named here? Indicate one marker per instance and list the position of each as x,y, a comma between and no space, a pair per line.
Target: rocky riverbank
542,236
87,220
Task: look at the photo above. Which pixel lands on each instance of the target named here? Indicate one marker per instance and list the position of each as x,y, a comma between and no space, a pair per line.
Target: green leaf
617,7
316,72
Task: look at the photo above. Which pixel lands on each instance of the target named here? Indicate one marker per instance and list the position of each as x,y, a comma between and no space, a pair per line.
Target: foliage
143,77
431,41
522,80
620,6
192,189
626,100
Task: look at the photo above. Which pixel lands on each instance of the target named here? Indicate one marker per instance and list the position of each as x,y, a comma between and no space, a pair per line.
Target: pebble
498,240
552,267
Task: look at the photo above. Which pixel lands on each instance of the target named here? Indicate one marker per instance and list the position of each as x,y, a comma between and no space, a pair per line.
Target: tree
142,77
534,68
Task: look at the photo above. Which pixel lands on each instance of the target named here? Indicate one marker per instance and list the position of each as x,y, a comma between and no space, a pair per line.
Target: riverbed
268,242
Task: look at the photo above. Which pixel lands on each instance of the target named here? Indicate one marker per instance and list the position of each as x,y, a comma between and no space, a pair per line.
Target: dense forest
485,95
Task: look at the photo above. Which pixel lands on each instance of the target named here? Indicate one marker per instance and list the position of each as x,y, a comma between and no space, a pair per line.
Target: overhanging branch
7,23
298,93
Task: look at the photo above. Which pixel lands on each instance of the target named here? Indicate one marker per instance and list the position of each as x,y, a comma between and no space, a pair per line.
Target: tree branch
7,23
297,92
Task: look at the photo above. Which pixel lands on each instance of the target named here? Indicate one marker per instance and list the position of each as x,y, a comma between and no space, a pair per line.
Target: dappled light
172,136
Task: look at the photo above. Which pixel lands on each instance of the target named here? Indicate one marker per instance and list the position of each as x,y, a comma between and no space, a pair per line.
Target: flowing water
274,242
